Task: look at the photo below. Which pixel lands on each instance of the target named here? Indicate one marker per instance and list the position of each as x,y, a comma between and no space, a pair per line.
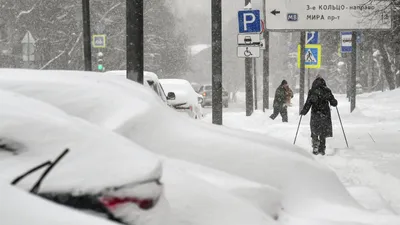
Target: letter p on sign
249,21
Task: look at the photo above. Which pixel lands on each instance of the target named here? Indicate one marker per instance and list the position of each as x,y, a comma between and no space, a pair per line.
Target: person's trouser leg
322,145
284,114
315,143
275,113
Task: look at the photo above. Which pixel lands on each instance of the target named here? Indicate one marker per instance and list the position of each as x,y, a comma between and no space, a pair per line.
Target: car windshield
208,88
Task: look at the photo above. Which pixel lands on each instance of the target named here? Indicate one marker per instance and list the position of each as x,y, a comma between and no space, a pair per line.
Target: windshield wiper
48,163
36,187
19,178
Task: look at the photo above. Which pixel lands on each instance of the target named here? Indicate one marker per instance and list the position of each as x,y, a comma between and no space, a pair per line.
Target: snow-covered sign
328,15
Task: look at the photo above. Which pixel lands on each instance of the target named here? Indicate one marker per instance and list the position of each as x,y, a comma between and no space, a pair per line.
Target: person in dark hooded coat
280,106
318,99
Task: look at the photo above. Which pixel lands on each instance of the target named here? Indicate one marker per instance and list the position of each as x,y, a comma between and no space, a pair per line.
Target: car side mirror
200,100
171,96
150,82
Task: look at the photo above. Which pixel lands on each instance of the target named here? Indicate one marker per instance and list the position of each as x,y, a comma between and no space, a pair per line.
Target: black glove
303,112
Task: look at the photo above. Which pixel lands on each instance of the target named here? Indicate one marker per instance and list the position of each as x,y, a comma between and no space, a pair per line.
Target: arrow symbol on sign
275,12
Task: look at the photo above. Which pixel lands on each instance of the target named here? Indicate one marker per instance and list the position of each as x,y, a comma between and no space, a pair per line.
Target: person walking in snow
318,99
280,102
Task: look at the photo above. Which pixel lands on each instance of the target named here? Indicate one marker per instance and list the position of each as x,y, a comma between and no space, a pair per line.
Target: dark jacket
280,97
318,99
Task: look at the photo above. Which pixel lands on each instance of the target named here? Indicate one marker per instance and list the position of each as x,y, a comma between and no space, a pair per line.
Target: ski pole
301,116
344,134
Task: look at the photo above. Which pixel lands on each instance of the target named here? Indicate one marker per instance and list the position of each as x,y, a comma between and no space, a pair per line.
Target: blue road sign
346,44
99,41
312,55
312,37
292,17
249,21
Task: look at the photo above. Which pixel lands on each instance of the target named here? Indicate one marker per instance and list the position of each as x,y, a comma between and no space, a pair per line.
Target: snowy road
370,168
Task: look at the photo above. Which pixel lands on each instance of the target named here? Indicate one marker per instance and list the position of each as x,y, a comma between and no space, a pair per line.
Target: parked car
206,92
184,92
33,134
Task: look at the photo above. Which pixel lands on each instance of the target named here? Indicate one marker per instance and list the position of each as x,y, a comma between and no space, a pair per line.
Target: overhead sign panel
325,15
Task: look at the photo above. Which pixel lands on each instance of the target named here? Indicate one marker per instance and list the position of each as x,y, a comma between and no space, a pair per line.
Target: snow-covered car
128,190
19,208
206,92
184,93
305,185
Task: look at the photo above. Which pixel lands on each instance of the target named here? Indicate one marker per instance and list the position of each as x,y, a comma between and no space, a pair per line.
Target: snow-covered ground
370,168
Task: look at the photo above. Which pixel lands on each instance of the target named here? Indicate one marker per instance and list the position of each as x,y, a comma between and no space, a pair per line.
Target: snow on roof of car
146,74
42,132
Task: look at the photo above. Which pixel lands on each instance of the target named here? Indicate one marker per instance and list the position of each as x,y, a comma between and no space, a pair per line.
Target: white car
184,93
86,167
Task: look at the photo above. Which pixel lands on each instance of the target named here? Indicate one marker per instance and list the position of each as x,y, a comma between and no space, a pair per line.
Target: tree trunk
386,66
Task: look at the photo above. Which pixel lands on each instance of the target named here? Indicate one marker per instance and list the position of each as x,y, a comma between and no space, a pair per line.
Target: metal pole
216,30
255,85
248,80
265,64
302,68
134,40
87,48
353,71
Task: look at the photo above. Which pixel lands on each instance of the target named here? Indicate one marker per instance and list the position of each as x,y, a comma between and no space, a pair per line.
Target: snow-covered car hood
39,132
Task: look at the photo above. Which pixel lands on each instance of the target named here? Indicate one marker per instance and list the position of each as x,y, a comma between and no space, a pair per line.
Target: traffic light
100,66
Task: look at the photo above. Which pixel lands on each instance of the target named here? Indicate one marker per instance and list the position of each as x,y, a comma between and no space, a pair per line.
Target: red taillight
191,108
113,202
204,94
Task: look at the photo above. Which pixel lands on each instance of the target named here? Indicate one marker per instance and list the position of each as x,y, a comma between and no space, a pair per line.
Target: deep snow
370,168
135,112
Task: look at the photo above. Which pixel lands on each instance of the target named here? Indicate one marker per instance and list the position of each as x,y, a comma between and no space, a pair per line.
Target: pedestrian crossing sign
312,55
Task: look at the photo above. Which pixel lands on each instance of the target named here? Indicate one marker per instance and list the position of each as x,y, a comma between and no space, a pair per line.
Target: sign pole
353,71
87,50
134,40
265,65
216,30
302,68
248,79
255,85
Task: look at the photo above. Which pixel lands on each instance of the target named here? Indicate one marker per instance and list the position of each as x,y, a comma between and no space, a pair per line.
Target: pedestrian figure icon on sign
247,52
310,57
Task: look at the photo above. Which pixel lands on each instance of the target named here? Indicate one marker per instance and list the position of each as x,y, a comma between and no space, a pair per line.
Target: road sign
249,21
312,37
328,15
312,56
99,41
248,39
345,39
28,47
248,51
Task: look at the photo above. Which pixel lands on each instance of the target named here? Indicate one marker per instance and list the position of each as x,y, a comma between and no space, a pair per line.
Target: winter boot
315,145
322,146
